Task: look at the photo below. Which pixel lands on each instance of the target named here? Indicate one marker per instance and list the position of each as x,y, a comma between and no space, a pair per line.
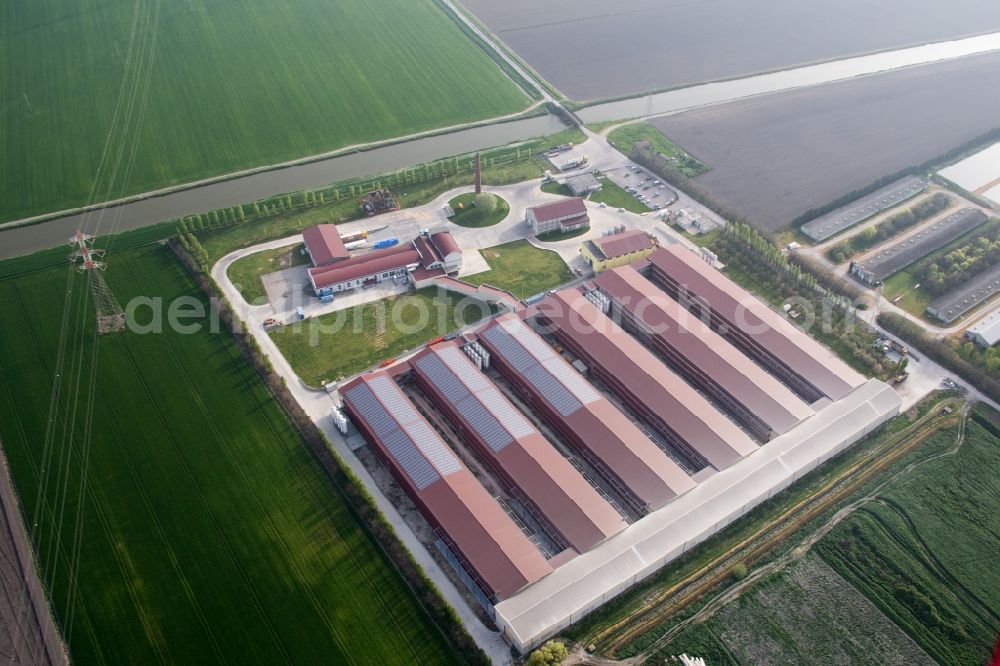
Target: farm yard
776,157
215,87
247,272
209,531
628,43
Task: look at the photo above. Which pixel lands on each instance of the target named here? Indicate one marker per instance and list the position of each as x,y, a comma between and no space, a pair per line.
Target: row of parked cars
645,183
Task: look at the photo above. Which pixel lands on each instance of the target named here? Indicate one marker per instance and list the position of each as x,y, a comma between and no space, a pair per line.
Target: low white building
986,331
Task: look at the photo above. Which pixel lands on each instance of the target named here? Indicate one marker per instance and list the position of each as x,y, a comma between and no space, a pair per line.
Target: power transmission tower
110,316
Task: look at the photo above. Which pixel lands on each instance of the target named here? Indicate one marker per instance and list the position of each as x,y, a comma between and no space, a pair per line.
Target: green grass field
469,215
209,531
246,273
925,554
339,344
215,87
914,300
522,268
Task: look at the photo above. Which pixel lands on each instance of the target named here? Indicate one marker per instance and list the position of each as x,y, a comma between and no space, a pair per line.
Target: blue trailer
388,242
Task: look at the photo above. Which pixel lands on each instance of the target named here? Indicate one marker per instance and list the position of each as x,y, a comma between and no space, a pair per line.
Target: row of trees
977,367
353,190
193,246
883,231
797,277
941,274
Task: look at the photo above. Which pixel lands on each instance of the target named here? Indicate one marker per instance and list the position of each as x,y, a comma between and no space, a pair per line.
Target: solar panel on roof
553,391
547,371
487,425
373,411
405,433
432,447
512,419
417,467
443,378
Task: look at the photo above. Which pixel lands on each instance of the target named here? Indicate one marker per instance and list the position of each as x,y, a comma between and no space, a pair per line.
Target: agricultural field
627,43
214,87
522,268
778,156
207,530
922,554
246,273
342,343
805,614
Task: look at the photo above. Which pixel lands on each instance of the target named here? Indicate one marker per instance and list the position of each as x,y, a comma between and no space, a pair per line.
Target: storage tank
356,245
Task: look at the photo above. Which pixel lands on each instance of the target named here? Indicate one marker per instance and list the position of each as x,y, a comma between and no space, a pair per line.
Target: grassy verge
625,137
556,235
246,273
522,268
208,530
616,197
469,214
552,187
633,623
339,344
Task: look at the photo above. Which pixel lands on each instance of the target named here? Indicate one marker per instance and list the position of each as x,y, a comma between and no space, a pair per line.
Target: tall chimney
479,176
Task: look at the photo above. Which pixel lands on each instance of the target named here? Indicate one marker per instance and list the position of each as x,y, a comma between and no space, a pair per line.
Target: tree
486,201
550,654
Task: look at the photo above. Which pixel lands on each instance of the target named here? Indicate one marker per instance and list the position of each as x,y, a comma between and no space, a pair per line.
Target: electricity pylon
110,316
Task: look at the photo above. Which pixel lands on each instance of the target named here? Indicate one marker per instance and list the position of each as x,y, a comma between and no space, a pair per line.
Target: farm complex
472,332
610,442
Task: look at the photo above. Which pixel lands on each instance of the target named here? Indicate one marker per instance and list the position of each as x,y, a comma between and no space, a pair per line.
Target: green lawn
522,268
914,301
339,344
616,197
208,532
214,87
625,137
467,214
246,273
